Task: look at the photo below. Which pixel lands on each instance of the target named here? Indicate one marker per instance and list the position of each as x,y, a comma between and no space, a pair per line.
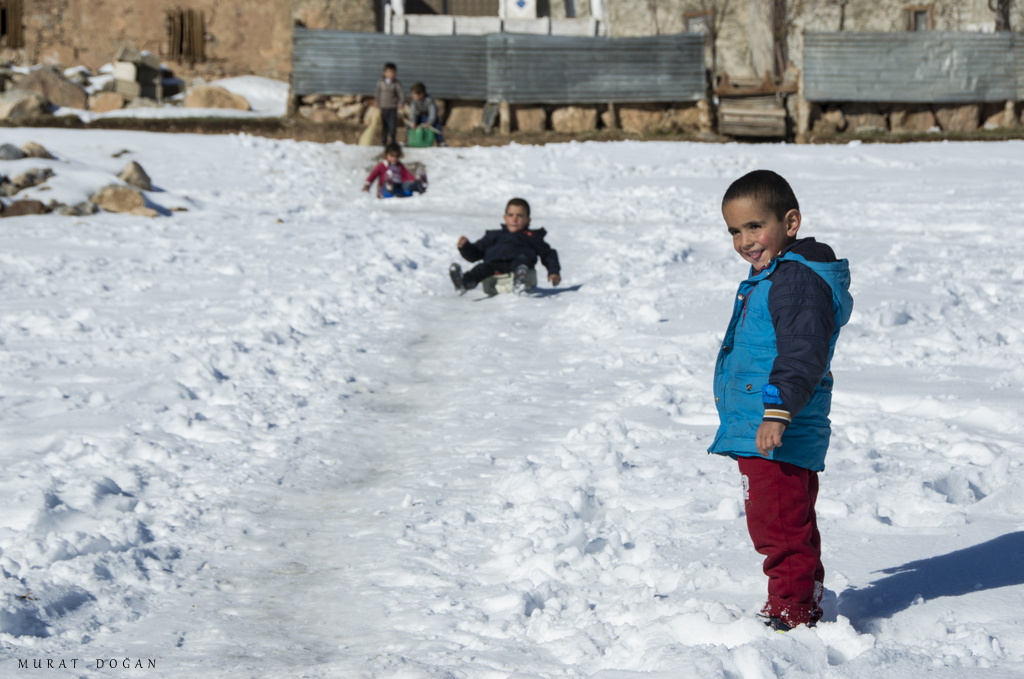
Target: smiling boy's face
757,234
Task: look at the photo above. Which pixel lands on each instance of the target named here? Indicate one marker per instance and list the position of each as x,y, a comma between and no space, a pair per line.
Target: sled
384,193
502,283
420,137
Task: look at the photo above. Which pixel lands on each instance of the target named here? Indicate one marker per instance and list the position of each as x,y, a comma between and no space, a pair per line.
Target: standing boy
390,98
773,386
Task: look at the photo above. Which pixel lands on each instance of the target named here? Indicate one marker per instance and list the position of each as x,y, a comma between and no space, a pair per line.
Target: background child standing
773,386
390,97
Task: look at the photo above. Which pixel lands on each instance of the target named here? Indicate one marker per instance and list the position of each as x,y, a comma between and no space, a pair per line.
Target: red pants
779,500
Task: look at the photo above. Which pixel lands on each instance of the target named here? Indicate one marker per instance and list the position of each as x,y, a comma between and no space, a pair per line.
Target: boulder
34,150
352,112
1000,116
80,210
117,198
688,119
19,104
144,212
318,115
533,119
640,119
10,152
134,175
25,180
830,122
211,96
55,87
964,118
574,119
865,118
465,118
106,101
22,208
911,119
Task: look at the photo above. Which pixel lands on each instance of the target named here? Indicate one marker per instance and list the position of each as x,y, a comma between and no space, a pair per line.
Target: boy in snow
514,248
773,386
423,112
390,97
393,178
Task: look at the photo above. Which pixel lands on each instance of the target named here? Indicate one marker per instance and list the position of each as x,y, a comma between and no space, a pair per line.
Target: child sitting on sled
393,178
512,249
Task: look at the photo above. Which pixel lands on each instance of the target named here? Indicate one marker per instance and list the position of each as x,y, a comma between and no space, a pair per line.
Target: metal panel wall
1018,63
533,69
517,68
343,62
918,67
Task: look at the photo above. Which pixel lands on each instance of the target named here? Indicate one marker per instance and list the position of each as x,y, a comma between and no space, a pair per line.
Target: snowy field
260,435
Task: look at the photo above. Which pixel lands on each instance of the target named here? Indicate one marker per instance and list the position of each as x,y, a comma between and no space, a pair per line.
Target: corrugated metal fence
517,68
926,67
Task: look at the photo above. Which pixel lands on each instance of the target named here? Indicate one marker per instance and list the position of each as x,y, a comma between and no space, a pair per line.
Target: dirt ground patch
325,133
302,130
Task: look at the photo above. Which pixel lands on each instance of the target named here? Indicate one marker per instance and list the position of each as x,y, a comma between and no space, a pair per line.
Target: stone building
201,37
746,38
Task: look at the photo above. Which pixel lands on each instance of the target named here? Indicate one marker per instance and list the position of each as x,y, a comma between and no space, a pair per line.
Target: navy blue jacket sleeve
474,252
803,315
548,255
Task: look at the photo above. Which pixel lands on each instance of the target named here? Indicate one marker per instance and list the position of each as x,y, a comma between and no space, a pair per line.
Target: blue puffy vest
745,363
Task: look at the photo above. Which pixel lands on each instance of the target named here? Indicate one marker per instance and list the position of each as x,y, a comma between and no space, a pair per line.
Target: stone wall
242,37
912,118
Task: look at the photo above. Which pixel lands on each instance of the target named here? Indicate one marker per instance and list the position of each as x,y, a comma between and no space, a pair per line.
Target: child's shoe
520,279
455,271
774,623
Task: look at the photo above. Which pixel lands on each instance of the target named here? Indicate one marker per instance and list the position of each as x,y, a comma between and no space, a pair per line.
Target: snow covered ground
262,437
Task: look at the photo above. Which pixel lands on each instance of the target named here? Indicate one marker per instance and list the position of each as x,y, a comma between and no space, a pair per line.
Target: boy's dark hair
418,88
390,65
393,147
767,189
518,202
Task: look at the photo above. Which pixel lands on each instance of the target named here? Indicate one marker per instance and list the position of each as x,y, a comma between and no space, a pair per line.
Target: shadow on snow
990,565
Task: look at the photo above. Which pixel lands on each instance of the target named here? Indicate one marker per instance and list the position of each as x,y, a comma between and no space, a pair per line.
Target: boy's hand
462,241
554,278
769,436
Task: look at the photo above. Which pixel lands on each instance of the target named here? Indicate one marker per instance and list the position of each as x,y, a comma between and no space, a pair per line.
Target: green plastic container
420,137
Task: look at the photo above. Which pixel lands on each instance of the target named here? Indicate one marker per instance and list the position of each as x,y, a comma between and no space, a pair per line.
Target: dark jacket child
393,178
773,386
390,97
513,249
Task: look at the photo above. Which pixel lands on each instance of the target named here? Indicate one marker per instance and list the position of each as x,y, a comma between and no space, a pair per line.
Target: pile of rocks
911,118
36,94
126,197
323,108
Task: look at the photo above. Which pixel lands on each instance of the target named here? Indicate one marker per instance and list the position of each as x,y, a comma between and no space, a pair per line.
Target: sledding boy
514,248
773,386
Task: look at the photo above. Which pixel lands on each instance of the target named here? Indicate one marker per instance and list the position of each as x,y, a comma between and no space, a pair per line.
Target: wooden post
504,118
803,113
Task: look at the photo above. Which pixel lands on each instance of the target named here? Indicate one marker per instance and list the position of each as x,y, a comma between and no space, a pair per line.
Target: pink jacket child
393,178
